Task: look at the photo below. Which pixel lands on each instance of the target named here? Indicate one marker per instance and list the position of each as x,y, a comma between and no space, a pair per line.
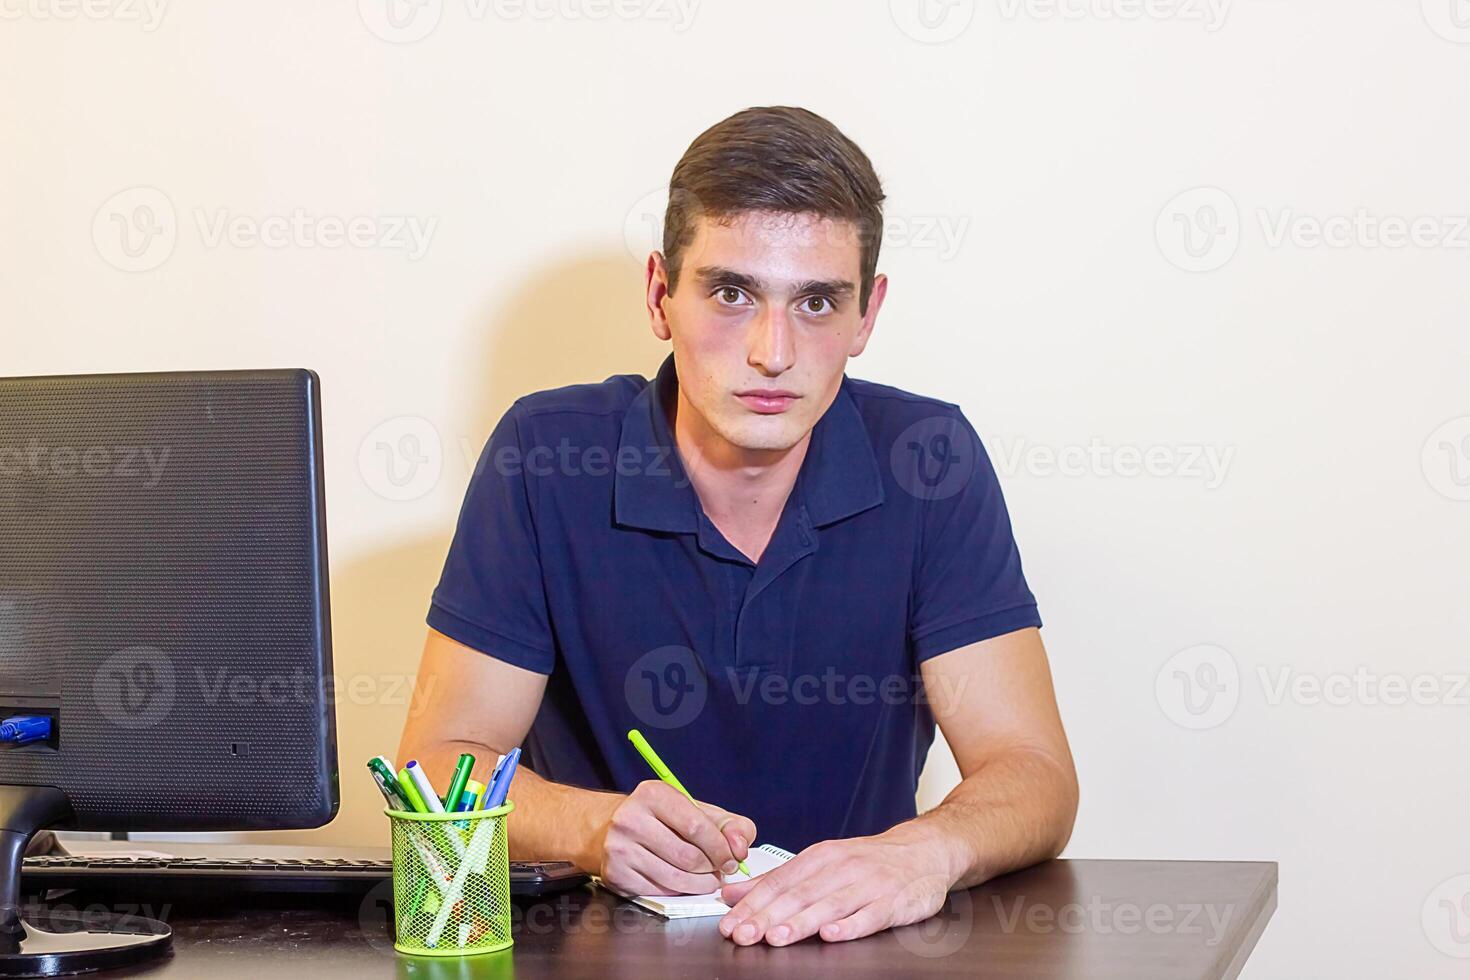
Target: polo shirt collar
838,478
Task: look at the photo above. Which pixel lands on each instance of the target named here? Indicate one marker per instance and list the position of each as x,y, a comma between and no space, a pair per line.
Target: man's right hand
659,842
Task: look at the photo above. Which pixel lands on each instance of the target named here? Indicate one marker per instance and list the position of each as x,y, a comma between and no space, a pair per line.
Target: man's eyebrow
710,275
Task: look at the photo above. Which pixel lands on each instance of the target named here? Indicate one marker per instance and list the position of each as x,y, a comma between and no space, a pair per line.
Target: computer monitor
163,604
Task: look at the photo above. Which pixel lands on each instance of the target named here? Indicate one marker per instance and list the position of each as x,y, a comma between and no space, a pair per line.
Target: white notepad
760,860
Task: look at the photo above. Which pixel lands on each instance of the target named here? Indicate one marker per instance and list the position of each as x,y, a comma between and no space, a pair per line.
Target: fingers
776,896
864,922
738,831
732,893
669,880
657,838
805,922
775,915
691,822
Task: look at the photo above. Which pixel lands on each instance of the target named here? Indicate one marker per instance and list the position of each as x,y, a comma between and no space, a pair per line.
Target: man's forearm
552,821
1016,810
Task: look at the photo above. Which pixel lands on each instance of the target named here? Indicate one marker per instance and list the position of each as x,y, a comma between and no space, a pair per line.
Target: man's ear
656,281
870,318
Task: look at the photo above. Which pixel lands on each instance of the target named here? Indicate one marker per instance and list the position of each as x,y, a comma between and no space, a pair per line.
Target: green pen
662,771
410,792
387,783
456,784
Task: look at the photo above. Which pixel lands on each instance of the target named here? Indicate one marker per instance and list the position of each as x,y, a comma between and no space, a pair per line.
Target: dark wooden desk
1129,920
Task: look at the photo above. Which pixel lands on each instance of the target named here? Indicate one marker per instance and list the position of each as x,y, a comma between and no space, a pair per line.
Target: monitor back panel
163,596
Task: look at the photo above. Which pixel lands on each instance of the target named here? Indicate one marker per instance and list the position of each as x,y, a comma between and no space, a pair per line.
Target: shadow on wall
577,322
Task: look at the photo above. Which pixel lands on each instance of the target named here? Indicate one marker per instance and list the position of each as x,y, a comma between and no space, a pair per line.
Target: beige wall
1042,172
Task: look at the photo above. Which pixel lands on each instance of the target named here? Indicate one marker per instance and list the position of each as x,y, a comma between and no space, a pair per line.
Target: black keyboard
256,874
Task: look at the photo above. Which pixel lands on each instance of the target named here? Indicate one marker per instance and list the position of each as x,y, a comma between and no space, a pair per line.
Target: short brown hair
780,159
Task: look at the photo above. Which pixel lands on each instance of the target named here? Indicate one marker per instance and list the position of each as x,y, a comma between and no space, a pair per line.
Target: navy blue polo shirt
787,690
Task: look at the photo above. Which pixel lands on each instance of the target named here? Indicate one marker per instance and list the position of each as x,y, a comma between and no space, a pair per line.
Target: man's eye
730,295
816,304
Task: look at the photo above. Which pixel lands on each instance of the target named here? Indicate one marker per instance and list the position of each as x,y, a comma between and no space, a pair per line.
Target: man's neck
742,491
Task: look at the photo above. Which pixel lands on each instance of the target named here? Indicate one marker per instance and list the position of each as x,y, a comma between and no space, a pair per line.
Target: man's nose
772,346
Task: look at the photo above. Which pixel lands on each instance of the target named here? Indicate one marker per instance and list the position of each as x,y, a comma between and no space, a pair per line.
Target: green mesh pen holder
451,882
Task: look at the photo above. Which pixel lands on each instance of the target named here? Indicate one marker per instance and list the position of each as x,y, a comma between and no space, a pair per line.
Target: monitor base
41,943
47,944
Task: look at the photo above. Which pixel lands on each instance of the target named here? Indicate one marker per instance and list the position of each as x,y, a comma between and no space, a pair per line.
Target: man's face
763,321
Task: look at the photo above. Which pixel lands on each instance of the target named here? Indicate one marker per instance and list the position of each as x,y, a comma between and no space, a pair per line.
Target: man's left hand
839,889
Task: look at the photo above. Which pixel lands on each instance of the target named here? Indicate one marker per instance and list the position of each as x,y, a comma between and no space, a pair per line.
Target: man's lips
767,401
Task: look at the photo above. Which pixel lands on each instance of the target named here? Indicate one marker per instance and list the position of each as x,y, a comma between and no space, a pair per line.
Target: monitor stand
35,942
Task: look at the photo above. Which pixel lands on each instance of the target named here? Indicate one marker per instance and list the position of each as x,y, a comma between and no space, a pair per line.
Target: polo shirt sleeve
491,596
969,584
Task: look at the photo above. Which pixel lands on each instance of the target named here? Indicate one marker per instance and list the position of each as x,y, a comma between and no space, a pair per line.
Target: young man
782,575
